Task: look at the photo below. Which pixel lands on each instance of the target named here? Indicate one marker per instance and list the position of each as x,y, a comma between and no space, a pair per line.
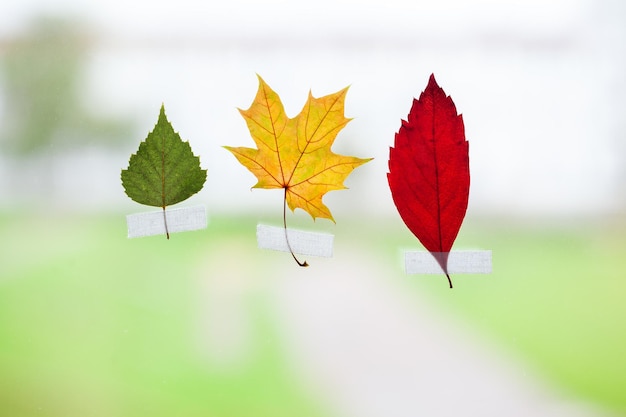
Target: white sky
539,84
342,15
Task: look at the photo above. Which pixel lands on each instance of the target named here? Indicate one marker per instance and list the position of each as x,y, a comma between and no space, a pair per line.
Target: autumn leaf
429,172
295,154
164,171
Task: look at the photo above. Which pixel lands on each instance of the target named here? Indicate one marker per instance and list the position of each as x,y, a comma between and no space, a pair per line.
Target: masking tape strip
178,220
301,242
459,262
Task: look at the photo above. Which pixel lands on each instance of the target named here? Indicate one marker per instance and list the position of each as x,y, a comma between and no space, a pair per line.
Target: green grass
94,324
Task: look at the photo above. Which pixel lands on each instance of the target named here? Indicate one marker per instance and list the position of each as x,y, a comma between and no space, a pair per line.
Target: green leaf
164,171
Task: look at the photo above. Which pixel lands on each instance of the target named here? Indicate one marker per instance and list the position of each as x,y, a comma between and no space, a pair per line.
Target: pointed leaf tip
432,83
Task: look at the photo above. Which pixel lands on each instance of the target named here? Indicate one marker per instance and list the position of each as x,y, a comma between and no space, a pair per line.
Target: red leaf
429,172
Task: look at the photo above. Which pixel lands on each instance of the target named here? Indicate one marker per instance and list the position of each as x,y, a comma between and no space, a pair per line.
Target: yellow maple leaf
294,154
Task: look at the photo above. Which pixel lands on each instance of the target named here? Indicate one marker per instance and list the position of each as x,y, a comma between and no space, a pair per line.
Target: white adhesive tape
178,220
301,242
459,262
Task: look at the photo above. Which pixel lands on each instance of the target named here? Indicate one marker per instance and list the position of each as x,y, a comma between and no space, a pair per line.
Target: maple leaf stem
449,280
167,232
303,264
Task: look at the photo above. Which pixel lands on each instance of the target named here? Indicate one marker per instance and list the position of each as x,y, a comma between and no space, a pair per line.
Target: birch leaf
164,171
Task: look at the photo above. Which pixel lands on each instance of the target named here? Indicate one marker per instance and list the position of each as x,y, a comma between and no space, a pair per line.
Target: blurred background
95,324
